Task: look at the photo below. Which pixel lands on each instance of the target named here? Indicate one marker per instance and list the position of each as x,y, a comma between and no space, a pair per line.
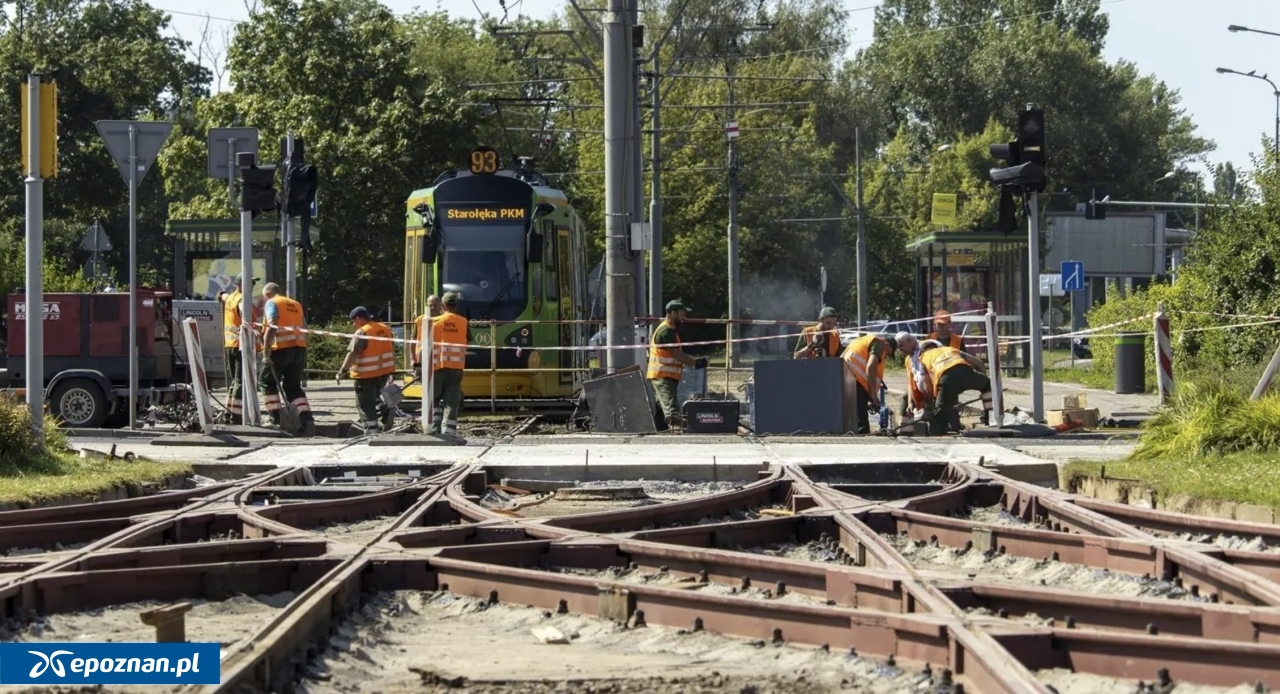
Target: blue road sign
1072,276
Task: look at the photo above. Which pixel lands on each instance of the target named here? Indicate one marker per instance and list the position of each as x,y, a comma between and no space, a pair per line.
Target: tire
79,403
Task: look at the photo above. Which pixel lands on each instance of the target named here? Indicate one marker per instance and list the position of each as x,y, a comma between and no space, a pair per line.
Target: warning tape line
1004,340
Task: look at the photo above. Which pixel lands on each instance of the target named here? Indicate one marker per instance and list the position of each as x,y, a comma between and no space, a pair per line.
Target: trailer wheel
80,403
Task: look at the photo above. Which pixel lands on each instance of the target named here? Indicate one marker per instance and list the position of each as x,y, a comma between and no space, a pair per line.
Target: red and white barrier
199,382
993,368
1164,355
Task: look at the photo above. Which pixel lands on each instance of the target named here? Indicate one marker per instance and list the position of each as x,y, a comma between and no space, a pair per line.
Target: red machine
86,353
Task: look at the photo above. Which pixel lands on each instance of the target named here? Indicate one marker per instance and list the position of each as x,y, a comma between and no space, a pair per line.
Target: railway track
946,576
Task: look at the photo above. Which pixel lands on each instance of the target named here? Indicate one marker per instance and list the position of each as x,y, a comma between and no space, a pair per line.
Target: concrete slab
415,440
184,454
199,440
328,454
1063,454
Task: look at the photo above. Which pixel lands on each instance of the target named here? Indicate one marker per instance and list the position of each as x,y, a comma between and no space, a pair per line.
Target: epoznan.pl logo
110,663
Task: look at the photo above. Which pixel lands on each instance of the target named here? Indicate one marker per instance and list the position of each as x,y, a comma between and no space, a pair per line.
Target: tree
110,60
338,73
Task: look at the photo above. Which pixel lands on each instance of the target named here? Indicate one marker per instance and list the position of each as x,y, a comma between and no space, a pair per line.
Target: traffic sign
944,209
148,135
1072,276
224,144
95,239
1050,285
731,129
95,268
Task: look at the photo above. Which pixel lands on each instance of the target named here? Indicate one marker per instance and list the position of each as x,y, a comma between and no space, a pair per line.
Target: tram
514,250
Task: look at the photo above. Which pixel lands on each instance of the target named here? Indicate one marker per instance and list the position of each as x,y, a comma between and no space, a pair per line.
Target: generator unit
86,352
208,316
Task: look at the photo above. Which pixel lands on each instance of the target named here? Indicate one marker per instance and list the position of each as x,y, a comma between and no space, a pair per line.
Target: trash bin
1131,363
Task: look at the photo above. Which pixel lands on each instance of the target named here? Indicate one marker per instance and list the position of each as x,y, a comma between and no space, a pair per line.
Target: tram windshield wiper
488,310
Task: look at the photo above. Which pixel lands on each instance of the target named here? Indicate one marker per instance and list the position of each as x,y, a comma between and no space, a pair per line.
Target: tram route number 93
484,161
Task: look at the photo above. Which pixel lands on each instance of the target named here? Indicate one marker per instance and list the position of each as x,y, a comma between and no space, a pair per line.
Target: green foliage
1208,417
1180,300
1247,478
18,445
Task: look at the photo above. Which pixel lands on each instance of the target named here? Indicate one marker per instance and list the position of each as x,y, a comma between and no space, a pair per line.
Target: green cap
828,312
240,279
449,298
676,305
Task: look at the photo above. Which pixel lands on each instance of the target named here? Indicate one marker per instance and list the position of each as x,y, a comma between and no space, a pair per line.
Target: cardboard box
1089,418
1078,401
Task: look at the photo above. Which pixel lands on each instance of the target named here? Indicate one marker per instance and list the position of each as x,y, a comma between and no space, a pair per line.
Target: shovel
290,420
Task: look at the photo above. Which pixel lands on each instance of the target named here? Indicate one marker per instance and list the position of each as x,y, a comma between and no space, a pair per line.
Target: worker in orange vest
371,357
284,357
450,335
821,340
234,364
433,309
942,331
951,372
667,361
864,359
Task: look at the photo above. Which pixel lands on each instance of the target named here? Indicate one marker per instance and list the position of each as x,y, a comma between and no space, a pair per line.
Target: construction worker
918,384
821,340
284,356
667,361
371,362
231,323
433,309
450,335
952,372
865,358
942,331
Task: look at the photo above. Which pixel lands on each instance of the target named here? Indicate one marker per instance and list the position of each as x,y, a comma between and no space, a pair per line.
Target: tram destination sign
487,214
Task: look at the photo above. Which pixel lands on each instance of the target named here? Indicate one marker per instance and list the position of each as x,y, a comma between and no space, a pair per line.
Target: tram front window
486,266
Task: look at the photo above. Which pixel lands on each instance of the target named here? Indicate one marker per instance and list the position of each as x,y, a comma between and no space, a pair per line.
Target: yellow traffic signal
48,130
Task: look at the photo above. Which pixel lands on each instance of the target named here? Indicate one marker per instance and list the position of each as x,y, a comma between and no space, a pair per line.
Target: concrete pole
250,399
290,252
620,316
636,190
1033,308
35,263
863,280
731,353
133,276
655,198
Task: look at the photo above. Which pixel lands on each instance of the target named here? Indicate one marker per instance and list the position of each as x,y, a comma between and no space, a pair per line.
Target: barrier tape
1004,340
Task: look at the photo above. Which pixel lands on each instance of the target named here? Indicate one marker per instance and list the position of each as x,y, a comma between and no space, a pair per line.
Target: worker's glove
700,364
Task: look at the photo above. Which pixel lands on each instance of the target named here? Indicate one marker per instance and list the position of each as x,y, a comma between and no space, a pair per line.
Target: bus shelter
206,255
961,271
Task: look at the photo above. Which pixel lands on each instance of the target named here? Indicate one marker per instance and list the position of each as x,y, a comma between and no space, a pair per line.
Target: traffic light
1031,135
300,190
1096,206
258,189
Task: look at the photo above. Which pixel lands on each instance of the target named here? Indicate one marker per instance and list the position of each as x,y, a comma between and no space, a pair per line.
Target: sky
1182,42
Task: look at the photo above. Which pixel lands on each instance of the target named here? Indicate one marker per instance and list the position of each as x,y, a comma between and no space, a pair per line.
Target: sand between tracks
407,641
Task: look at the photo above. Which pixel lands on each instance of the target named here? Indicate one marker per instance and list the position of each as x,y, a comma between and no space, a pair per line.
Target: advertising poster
210,276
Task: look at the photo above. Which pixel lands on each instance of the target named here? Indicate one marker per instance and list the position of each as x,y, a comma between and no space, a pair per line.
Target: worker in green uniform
667,361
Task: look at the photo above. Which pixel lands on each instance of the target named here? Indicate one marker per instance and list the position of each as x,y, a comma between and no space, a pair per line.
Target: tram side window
549,260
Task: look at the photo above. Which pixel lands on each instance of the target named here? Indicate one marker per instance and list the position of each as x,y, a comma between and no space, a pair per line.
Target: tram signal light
300,190
258,189
1031,135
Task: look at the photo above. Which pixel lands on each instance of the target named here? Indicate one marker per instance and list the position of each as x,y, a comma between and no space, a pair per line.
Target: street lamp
1167,176
1234,28
1275,144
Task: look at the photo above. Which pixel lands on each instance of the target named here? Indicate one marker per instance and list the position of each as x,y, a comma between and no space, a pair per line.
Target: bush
17,438
1180,302
1211,417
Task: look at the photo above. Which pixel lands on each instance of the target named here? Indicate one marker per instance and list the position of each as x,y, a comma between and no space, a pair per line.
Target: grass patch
1244,477
1209,418
57,475
30,475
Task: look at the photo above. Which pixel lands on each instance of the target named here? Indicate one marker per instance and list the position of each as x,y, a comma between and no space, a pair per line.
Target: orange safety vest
417,337
833,339
940,360
858,354
378,357
289,323
918,397
448,342
231,319
662,361
954,341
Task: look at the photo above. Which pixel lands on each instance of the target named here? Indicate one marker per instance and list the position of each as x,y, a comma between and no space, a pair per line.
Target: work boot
309,429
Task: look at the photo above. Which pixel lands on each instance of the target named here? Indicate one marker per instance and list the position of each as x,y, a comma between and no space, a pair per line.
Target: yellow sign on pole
48,129
944,209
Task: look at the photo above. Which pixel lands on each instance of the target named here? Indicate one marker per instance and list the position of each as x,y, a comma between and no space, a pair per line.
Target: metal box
809,396
711,416
208,316
620,404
